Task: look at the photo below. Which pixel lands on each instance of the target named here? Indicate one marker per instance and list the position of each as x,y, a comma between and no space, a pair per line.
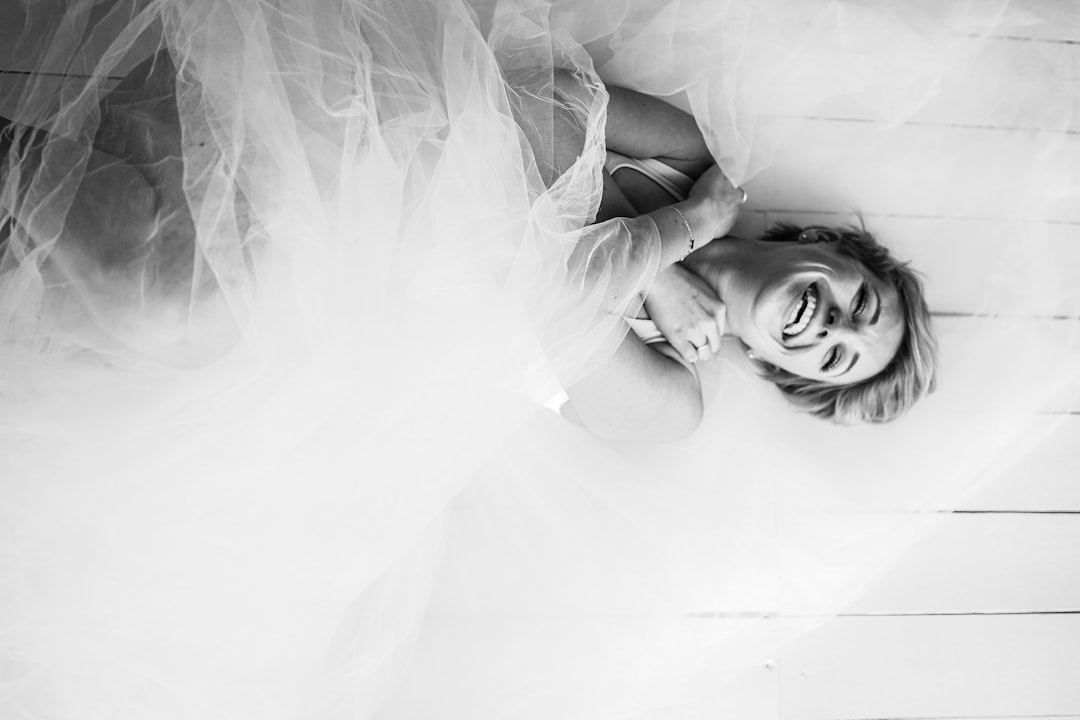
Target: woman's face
823,316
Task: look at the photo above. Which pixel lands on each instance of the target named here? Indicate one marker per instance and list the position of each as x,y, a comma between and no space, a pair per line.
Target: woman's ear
761,367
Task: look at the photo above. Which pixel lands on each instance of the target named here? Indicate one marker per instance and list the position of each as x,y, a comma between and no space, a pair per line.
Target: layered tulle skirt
295,460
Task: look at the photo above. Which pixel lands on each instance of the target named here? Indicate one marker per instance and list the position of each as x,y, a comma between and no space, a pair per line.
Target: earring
751,356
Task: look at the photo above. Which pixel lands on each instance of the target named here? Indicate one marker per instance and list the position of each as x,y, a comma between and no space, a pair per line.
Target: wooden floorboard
908,667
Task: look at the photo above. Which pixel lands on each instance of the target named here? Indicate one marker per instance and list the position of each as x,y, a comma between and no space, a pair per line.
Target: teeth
802,313
795,311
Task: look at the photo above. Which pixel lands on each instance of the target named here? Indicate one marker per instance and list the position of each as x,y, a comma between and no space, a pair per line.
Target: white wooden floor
982,619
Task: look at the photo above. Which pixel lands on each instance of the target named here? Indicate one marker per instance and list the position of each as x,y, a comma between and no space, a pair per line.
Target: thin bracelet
689,230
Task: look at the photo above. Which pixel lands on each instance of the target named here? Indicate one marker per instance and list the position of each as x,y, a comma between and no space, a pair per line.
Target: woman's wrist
690,225
716,203
691,235
680,229
702,216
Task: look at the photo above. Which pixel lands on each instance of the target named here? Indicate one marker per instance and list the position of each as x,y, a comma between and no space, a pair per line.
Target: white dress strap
675,183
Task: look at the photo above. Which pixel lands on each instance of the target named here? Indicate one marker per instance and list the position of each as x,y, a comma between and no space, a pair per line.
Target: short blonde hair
909,376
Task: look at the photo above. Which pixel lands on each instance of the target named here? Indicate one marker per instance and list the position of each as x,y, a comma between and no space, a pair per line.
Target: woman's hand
720,200
688,313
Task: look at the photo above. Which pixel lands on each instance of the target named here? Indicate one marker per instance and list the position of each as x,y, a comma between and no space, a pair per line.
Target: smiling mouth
802,313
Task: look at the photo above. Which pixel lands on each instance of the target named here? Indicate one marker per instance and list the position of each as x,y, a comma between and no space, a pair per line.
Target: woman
328,490
128,228
841,328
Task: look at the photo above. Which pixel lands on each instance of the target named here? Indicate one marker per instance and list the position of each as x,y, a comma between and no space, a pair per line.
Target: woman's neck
722,262
733,268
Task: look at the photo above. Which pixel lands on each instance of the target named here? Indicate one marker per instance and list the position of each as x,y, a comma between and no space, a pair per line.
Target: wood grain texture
995,89
984,563
825,164
933,667
1046,479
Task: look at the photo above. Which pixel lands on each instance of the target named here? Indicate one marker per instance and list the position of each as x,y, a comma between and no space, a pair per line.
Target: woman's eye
832,360
863,301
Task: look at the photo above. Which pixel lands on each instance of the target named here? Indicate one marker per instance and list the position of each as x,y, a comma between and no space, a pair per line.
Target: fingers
703,348
706,346
687,351
710,347
691,350
713,338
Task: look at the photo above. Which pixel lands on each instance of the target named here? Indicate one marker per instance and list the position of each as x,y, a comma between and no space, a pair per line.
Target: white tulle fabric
307,473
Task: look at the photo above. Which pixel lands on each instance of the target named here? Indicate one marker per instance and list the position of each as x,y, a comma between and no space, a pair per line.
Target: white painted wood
828,164
1047,20
1047,478
996,89
984,563
991,389
933,667
1006,717
985,365
734,684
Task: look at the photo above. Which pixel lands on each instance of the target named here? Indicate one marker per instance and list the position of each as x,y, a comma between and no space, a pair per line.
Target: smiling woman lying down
825,313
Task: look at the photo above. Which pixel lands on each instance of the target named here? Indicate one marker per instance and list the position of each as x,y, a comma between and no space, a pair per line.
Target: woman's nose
833,324
828,324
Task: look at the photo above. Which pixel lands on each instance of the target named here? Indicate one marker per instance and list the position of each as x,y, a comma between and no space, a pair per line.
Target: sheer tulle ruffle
299,468
224,476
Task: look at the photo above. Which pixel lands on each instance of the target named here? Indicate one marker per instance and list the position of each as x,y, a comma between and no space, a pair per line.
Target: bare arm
619,252
685,309
644,391
643,126
639,393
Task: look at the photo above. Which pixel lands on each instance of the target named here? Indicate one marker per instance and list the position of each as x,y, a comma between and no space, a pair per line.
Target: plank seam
962,717
1023,38
751,615
1013,512
43,73
999,316
921,123
918,216
966,613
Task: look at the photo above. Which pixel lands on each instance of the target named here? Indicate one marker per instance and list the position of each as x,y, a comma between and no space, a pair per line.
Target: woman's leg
643,126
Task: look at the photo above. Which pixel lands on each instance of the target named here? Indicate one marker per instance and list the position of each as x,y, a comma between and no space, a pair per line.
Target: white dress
308,474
